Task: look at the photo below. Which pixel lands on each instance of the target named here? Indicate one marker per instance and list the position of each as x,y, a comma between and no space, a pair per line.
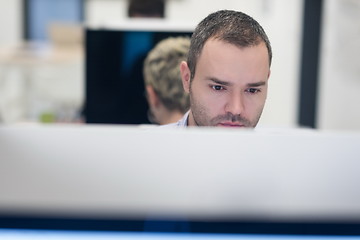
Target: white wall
340,69
281,20
10,22
10,35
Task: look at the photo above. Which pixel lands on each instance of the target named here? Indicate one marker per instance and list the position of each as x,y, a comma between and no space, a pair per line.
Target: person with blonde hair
164,90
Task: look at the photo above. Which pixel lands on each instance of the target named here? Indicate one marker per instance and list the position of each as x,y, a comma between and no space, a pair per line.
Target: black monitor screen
114,80
26,227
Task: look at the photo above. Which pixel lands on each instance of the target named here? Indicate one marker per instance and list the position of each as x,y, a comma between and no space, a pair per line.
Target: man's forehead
214,43
222,52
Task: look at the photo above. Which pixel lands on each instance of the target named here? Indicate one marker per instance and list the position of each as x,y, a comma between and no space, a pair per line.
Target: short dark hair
230,26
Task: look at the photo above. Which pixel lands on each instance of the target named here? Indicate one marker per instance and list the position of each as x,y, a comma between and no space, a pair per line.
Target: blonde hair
162,72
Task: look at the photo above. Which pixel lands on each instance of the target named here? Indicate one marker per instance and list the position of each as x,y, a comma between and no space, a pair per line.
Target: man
227,71
166,98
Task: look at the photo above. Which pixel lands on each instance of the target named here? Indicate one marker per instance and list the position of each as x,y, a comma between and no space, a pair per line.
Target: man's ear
152,97
185,76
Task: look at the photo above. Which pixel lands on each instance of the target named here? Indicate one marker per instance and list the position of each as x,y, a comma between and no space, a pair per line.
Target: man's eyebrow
224,83
217,81
257,84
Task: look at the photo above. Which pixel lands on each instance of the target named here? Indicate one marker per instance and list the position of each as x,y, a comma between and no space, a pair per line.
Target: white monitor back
117,171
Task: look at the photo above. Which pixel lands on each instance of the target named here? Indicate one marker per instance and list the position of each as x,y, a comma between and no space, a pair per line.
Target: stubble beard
201,118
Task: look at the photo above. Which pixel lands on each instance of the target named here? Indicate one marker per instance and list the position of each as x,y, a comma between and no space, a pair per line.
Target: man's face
229,88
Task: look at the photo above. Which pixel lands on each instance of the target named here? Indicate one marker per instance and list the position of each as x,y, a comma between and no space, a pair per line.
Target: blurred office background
315,77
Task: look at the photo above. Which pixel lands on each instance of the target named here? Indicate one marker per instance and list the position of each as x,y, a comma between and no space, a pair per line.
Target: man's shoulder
182,123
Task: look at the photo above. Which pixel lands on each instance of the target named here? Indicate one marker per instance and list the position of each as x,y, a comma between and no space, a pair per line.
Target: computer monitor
123,182
115,92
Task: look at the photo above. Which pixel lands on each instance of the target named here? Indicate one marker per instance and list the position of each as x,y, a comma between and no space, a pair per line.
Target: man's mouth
230,124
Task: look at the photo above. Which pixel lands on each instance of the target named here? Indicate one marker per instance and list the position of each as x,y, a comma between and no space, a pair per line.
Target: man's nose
235,104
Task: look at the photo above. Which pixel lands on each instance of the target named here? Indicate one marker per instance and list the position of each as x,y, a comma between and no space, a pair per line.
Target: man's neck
191,121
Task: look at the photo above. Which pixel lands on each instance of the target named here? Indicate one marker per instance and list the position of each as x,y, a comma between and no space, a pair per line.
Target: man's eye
217,87
253,90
